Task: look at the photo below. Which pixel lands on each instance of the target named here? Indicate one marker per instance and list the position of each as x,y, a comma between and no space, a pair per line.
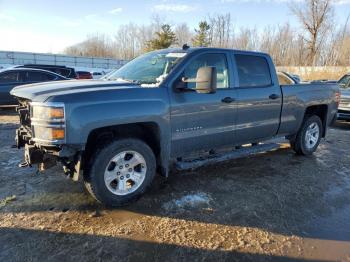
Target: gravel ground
272,206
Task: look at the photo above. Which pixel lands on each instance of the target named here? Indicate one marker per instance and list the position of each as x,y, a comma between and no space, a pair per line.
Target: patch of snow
189,201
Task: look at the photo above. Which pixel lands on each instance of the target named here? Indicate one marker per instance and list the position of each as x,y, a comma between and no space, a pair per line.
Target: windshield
149,69
344,82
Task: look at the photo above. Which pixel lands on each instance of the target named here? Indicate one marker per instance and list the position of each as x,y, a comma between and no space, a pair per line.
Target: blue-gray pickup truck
161,108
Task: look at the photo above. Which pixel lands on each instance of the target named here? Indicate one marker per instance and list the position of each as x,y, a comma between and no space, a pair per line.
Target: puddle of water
189,200
334,227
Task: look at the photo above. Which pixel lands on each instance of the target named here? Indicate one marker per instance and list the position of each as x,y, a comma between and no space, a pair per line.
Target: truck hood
41,91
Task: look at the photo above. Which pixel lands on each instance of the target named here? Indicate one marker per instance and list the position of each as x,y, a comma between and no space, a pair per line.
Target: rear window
253,71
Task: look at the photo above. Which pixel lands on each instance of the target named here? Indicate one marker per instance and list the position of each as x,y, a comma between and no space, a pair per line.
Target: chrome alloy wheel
125,172
312,135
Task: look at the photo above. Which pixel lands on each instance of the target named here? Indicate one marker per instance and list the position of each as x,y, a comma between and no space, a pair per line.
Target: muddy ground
272,206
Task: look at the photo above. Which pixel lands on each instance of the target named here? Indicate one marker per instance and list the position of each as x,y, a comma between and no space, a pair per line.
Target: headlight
48,122
43,112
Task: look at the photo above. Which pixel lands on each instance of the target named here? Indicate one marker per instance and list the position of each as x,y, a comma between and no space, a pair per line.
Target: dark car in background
11,78
65,71
84,75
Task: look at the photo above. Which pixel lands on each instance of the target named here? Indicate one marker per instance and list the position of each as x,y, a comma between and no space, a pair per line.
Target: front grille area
24,115
24,132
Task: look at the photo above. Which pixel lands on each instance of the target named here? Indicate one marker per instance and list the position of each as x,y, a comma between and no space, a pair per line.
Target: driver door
203,121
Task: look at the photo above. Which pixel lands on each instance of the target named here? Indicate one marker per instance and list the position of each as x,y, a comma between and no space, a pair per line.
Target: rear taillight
337,98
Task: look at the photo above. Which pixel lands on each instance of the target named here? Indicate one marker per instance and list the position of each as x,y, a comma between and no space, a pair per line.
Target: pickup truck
160,108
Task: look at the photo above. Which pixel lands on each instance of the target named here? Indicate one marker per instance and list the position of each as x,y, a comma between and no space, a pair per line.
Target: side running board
238,153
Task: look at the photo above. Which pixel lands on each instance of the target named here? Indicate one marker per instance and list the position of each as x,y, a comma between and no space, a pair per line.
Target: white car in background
97,75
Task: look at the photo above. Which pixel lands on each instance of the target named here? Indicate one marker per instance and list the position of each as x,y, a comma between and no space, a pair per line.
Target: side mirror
205,80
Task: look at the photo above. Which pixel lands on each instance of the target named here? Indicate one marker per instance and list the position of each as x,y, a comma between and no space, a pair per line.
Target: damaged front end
42,133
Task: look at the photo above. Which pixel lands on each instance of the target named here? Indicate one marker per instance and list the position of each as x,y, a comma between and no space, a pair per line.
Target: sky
50,26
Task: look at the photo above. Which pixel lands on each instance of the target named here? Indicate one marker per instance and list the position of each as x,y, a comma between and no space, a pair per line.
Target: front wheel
308,137
121,172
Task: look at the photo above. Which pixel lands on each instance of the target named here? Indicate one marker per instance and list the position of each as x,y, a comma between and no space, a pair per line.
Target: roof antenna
185,47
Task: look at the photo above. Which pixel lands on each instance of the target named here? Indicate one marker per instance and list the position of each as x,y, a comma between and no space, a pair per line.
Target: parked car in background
162,108
287,79
344,81
9,78
83,75
296,78
324,81
97,75
344,106
108,74
65,71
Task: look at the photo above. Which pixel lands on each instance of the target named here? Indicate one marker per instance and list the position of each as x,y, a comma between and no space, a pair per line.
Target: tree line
318,41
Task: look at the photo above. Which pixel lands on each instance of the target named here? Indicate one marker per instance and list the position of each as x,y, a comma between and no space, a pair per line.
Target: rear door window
253,71
10,77
33,76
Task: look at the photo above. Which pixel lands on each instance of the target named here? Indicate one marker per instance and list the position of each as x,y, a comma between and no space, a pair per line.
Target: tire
121,172
303,144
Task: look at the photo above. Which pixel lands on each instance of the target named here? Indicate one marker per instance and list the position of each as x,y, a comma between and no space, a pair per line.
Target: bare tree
220,30
316,18
320,42
183,34
337,52
246,39
98,45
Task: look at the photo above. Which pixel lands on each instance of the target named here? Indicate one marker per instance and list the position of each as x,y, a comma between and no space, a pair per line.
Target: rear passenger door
259,98
36,77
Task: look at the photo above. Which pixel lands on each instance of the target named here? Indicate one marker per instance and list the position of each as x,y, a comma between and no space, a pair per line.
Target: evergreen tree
164,39
201,37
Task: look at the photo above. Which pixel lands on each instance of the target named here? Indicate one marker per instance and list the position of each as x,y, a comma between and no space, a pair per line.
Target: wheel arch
149,132
321,111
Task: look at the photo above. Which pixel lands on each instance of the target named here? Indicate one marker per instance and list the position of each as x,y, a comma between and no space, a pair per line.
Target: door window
217,60
9,77
33,76
253,71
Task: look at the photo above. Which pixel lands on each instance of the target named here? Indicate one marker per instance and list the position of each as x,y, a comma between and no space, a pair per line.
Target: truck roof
193,49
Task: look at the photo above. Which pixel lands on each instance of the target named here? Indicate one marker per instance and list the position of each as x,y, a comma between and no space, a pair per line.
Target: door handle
274,96
228,100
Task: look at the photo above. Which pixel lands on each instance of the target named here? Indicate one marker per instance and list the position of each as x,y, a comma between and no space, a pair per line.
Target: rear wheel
309,136
121,172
